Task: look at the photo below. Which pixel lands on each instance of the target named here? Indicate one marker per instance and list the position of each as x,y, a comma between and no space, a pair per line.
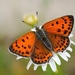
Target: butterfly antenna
37,18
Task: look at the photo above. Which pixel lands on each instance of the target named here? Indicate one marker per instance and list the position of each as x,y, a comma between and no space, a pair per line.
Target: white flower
55,59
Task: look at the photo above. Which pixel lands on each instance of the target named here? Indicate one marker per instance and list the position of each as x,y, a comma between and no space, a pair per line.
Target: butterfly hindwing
40,53
59,43
60,26
24,45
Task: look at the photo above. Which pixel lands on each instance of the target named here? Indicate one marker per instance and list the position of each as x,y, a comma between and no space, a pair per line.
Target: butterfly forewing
40,53
24,45
61,26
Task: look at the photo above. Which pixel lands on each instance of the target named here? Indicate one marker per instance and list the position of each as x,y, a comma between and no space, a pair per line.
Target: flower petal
44,67
56,58
29,64
52,65
33,29
63,56
71,35
35,67
67,54
72,42
69,49
19,57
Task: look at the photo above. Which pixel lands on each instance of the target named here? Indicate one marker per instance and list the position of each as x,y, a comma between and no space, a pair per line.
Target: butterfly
39,44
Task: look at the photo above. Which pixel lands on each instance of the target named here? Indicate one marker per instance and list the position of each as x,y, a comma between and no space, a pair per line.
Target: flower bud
30,19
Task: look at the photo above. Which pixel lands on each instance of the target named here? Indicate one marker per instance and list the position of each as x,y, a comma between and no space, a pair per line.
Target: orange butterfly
39,44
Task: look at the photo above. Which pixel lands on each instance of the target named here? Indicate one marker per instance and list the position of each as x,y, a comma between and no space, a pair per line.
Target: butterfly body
39,44
41,35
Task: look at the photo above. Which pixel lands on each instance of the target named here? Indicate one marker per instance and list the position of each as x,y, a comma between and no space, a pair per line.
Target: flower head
55,59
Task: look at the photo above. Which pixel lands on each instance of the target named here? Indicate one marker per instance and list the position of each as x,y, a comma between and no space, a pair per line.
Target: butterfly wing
40,53
60,26
59,43
23,46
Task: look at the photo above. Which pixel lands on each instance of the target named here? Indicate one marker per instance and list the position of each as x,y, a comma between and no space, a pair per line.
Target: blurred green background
11,27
